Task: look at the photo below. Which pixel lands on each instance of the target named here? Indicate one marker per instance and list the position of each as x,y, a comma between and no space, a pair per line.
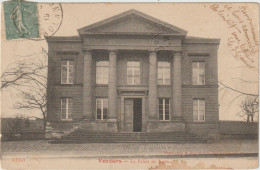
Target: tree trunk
44,121
247,118
252,118
44,125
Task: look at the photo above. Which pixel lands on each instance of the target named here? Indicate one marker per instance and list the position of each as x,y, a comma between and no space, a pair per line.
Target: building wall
66,91
56,90
235,129
208,53
198,52
191,52
123,57
211,103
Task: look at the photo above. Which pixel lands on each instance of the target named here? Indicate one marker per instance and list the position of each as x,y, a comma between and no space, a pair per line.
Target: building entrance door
133,115
128,115
137,115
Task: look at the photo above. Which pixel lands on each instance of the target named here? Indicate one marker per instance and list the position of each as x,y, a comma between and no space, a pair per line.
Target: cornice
63,39
198,40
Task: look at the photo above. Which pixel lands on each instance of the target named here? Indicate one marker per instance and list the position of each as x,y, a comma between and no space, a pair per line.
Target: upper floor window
163,77
101,105
133,72
67,71
102,72
66,108
198,73
198,109
164,108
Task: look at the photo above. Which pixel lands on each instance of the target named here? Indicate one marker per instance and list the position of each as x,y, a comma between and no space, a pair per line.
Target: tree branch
248,94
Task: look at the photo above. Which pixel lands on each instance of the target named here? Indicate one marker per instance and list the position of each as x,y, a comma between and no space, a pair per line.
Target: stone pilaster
177,87
153,101
112,86
87,85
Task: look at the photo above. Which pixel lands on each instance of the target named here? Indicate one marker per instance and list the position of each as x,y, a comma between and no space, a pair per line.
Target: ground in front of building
43,148
225,154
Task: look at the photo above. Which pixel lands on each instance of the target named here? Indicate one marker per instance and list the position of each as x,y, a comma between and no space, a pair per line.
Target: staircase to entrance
81,136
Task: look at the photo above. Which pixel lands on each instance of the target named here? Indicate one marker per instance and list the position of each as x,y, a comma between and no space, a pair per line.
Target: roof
118,22
129,14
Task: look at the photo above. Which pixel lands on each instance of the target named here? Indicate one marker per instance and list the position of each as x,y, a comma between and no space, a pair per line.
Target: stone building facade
133,73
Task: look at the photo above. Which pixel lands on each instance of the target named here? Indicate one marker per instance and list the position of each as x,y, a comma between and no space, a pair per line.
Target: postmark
30,20
50,19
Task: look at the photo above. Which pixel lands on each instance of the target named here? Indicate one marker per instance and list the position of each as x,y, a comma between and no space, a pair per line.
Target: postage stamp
21,19
31,20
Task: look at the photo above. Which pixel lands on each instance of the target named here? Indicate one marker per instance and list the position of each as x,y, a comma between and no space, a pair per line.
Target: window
67,71
102,105
198,109
164,108
102,72
163,77
133,72
66,108
198,73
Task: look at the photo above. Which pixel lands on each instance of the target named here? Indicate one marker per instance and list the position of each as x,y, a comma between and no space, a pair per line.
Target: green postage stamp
21,19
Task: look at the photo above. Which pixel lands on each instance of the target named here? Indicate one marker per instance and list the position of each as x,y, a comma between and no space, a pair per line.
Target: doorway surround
132,93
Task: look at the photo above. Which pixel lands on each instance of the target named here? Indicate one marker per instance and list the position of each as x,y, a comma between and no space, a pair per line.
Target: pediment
132,21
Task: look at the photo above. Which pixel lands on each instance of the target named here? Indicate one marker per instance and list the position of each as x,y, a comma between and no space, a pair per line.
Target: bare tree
20,73
249,105
34,99
249,108
30,80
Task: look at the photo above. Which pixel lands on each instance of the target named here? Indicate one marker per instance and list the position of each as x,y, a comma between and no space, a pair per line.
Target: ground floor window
101,108
164,109
199,109
66,108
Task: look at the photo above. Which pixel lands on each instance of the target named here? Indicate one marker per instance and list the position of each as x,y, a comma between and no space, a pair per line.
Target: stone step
132,137
131,134
134,134
123,141
107,140
128,134
85,131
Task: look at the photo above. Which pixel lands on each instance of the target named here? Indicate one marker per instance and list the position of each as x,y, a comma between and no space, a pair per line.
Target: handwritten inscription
243,39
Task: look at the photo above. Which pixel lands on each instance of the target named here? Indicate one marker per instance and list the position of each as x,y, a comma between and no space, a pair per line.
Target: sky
236,24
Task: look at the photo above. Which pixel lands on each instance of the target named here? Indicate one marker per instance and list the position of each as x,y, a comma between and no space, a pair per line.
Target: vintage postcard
129,85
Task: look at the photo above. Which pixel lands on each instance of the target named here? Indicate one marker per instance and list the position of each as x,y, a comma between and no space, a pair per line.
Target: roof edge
199,40
64,38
